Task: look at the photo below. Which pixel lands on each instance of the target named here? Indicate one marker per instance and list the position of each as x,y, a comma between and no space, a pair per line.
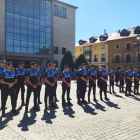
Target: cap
21,63
111,69
53,64
9,63
37,66
92,65
33,63
66,66
83,64
2,61
104,66
50,64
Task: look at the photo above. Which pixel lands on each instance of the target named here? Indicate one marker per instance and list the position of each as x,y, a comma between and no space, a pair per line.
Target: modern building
29,29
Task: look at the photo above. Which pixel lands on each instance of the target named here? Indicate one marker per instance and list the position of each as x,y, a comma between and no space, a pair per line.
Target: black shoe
79,103
126,94
26,110
36,108
110,92
101,99
23,104
53,106
14,112
123,91
84,102
46,108
120,91
39,102
69,103
70,99
3,115
95,100
88,100
135,94
56,100
130,94
107,99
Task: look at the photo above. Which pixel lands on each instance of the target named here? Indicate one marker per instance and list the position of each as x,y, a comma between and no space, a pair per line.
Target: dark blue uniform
67,77
39,86
83,84
129,82
103,84
20,83
111,81
49,90
78,83
92,84
33,75
9,77
136,82
1,70
122,73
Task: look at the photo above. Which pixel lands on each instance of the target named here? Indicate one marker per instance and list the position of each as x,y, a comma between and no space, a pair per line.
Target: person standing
55,86
136,81
33,80
20,73
117,77
2,68
111,80
98,77
83,83
66,77
129,78
40,83
50,81
122,78
92,83
103,83
8,79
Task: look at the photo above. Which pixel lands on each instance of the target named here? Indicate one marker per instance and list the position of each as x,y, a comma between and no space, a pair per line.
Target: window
63,50
134,45
117,58
128,58
128,46
96,58
81,49
55,50
103,47
103,57
96,48
55,10
63,12
117,46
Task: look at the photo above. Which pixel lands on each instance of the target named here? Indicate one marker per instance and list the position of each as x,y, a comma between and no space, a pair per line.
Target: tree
67,60
81,59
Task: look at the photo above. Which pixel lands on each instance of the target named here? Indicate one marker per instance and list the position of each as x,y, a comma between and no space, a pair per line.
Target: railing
102,59
95,60
126,60
87,52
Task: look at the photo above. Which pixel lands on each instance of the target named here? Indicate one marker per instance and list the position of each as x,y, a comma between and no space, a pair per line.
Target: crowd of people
13,80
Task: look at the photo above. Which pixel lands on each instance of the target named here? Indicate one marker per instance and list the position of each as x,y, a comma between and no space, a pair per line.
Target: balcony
126,60
87,52
102,59
95,60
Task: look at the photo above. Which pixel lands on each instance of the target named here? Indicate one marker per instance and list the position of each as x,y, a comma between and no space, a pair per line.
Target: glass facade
28,26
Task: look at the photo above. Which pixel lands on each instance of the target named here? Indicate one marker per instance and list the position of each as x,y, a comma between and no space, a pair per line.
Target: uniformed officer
66,77
9,80
117,77
40,83
33,80
50,81
129,78
83,83
122,78
111,80
136,81
78,80
2,68
55,86
20,72
103,82
92,82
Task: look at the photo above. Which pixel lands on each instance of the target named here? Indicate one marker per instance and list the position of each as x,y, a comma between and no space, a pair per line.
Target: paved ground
118,119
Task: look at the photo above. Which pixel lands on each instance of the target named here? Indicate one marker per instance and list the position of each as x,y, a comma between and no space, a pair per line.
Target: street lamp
138,43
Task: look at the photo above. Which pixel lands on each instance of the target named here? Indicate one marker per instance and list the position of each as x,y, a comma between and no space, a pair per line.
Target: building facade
29,29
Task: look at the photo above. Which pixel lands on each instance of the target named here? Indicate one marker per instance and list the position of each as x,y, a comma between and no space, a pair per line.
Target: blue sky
93,16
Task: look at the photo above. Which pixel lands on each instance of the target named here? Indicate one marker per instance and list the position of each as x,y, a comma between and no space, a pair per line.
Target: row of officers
12,81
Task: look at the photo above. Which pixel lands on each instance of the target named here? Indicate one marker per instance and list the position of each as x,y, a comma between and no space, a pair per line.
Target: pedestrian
103,83
122,78
8,79
111,80
92,82
129,78
50,81
20,73
33,80
66,77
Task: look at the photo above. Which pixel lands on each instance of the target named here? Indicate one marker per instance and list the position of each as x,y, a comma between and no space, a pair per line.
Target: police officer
92,82
136,81
111,80
129,78
8,79
117,76
20,72
83,83
50,81
66,77
40,83
103,83
33,80
78,80
55,86
122,78
2,68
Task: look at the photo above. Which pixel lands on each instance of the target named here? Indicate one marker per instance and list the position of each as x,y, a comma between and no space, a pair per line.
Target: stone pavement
118,119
